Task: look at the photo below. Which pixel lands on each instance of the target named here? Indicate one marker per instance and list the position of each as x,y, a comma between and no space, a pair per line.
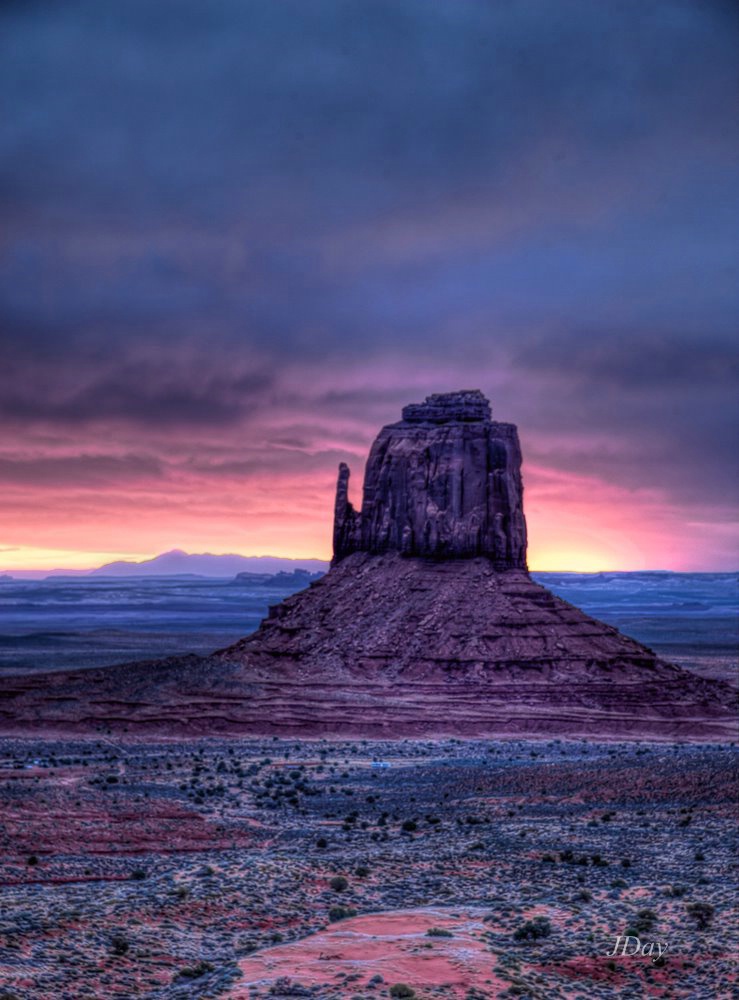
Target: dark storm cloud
204,200
283,128
147,392
141,101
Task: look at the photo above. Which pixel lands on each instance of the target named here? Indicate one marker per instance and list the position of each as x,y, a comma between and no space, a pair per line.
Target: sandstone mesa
427,624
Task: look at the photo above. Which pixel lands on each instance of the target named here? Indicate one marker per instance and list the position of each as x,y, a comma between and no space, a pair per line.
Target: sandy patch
393,944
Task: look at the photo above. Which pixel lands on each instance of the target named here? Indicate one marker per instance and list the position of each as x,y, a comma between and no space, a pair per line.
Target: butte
427,625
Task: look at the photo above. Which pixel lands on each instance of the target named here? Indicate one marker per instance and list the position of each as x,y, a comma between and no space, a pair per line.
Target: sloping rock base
392,646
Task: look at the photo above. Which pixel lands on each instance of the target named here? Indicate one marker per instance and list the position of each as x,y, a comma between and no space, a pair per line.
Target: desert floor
277,868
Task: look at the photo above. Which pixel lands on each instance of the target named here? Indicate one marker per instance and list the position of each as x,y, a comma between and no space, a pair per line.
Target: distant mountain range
179,563
206,564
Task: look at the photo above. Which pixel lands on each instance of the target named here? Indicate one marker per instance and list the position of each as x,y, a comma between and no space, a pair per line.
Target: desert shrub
675,891
195,971
402,990
321,842
33,860
409,826
643,921
341,913
362,871
338,883
438,932
548,859
119,944
700,856
138,874
701,913
533,930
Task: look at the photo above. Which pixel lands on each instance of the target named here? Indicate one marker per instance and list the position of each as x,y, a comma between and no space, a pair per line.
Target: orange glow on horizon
29,558
581,539
576,522
549,557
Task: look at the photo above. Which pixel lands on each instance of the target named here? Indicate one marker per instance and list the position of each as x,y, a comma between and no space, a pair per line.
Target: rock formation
427,624
443,483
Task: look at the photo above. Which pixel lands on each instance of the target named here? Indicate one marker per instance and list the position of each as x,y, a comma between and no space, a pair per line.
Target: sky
238,236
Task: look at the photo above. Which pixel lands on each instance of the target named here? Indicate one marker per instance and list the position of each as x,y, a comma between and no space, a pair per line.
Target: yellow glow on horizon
567,561
25,557
571,541
546,559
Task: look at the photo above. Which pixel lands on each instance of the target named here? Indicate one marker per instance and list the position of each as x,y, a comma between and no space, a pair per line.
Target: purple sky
238,236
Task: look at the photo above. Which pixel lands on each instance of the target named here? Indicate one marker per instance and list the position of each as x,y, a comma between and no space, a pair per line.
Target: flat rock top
447,407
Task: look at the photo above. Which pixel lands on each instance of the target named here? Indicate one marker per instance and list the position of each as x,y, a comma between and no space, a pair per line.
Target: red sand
391,944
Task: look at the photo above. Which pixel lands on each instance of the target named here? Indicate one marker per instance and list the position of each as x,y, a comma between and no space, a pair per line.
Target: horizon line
56,570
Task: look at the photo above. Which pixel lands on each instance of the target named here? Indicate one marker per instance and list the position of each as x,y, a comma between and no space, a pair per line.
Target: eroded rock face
444,483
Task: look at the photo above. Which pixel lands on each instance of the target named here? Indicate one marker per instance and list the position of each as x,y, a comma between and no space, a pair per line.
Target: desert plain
364,869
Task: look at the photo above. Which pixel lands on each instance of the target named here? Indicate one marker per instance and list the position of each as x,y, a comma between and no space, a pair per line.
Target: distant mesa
183,564
297,578
177,562
427,625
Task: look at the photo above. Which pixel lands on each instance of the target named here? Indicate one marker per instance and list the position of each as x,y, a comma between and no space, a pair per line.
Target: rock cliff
443,483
